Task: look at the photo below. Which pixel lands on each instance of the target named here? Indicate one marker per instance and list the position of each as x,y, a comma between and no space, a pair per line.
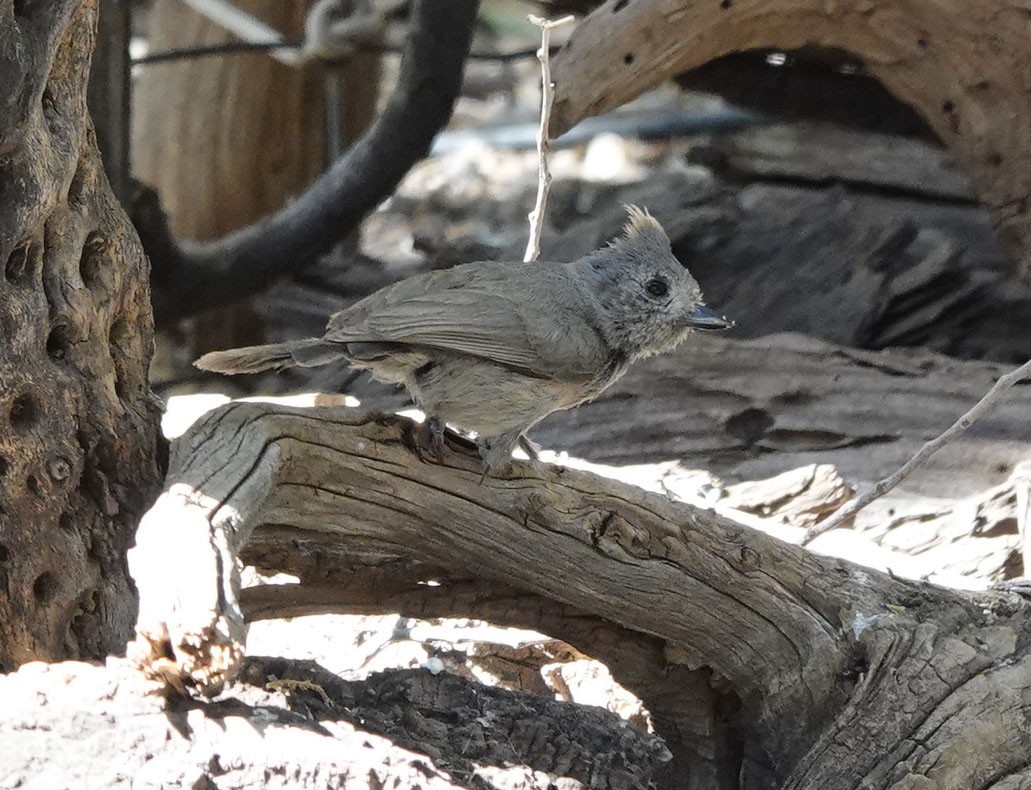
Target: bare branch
882,487
533,246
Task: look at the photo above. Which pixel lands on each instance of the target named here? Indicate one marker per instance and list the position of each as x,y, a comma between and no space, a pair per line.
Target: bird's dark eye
657,287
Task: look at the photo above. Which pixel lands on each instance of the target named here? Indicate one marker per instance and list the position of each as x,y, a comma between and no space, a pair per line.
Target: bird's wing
465,311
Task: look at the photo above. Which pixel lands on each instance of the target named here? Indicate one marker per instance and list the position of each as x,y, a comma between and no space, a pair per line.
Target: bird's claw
427,437
532,450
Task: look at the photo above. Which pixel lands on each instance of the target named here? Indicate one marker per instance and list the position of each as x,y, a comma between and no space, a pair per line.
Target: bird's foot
531,448
496,453
427,438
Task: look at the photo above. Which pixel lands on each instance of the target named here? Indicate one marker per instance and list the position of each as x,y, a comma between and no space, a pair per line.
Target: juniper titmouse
495,347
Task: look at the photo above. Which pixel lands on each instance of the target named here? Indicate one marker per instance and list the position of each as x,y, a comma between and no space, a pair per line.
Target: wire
242,47
229,48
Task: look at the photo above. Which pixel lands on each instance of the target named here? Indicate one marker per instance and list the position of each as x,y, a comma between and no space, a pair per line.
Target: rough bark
79,441
963,71
191,277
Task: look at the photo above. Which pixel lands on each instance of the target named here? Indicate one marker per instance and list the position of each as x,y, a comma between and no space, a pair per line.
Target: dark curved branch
189,277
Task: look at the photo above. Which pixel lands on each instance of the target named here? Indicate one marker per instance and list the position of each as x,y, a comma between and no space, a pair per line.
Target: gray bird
495,347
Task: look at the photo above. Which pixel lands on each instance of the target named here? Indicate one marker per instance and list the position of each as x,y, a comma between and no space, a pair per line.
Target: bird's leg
533,451
436,428
531,448
428,436
496,452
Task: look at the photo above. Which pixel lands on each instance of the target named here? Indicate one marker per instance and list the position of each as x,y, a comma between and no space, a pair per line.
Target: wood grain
351,503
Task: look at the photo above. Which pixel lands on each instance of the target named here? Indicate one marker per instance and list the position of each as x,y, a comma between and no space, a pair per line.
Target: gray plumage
495,347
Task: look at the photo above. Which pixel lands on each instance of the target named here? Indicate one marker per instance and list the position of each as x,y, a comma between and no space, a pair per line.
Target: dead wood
963,72
949,435
750,410
800,497
824,154
777,634
293,724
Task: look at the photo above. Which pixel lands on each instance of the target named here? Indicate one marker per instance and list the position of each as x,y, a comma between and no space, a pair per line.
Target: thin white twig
882,487
533,246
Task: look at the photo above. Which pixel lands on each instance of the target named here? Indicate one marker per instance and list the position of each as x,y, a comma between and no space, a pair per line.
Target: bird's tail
253,359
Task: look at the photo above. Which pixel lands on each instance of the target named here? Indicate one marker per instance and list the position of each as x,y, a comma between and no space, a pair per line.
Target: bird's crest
642,231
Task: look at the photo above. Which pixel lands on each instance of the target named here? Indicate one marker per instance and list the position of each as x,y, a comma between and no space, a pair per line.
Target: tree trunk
227,139
79,441
965,71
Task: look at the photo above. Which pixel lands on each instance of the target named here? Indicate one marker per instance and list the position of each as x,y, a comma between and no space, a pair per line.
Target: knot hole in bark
59,340
92,260
24,411
23,263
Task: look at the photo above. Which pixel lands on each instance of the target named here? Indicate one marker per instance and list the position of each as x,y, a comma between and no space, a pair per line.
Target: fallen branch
533,246
79,724
881,487
741,622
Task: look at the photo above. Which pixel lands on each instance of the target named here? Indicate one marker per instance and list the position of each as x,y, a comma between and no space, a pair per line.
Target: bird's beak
705,319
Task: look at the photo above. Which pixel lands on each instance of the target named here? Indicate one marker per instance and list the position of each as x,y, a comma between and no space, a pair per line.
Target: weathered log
782,635
964,72
964,541
747,410
816,154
